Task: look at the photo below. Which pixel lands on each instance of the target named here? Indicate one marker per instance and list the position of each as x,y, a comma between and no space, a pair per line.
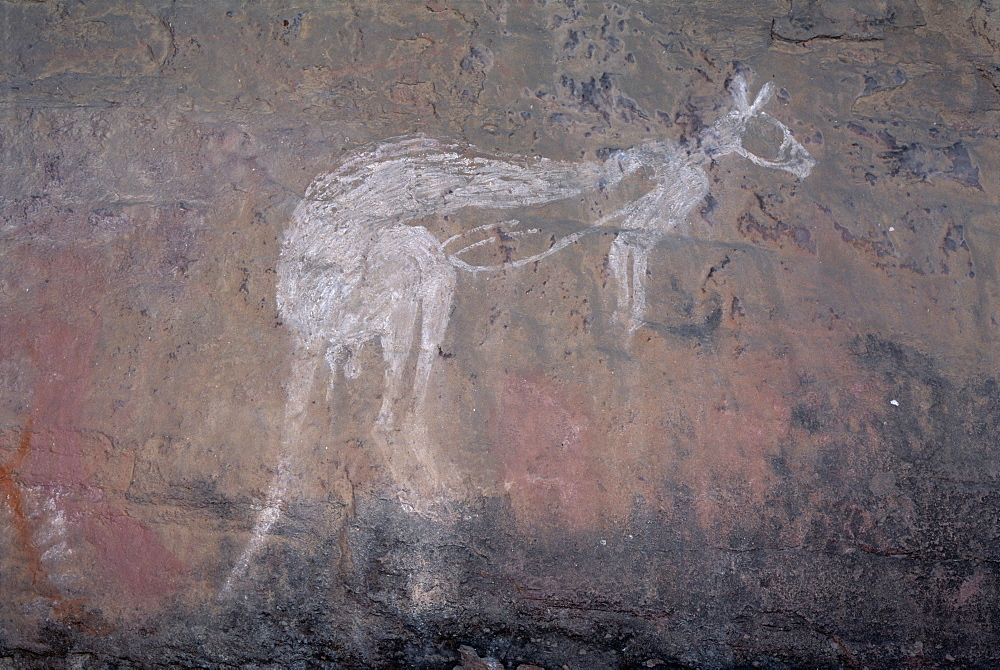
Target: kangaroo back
411,177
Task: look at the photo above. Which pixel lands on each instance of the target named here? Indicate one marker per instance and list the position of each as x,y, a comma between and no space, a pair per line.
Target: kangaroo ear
763,97
738,89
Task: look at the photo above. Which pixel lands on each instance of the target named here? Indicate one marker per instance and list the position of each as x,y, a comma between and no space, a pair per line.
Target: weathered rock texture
793,463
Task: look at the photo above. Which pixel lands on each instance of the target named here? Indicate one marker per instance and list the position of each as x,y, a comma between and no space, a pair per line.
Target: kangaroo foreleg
397,346
435,311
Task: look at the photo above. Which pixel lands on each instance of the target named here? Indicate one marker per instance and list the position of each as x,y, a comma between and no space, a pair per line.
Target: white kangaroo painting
356,269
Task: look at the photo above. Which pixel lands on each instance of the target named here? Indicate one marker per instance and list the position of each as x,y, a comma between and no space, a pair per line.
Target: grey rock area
723,397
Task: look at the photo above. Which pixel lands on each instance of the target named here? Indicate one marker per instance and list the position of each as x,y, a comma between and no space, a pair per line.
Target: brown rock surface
790,462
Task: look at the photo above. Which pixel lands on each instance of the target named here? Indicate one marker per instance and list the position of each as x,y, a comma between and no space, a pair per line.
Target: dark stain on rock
775,230
702,332
813,19
939,427
807,418
925,163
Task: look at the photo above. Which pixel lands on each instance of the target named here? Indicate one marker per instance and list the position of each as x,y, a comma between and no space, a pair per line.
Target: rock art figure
355,268
680,184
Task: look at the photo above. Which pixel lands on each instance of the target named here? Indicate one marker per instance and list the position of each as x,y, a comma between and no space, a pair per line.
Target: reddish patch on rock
970,590
15,501
132,554
548,469
48,483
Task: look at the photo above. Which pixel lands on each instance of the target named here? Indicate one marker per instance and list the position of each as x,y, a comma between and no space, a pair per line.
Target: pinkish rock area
499,333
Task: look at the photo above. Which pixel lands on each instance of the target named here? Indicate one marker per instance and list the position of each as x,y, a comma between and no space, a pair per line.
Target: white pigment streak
265,520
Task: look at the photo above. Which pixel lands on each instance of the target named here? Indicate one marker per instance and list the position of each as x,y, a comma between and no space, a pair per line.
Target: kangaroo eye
763,138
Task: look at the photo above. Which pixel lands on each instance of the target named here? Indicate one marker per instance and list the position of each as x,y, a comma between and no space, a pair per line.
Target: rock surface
789,461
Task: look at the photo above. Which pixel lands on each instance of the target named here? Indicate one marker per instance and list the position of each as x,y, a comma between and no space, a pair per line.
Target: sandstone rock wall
788,459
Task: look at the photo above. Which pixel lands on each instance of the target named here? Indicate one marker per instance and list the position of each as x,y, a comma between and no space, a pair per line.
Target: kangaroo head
726,135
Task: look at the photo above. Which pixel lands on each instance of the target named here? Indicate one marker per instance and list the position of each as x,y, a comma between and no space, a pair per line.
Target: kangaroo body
352,269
